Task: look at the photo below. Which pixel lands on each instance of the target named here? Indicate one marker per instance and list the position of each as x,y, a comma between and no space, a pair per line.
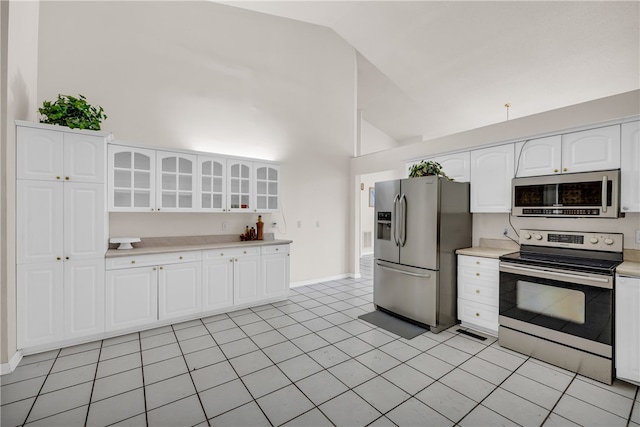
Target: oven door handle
600,282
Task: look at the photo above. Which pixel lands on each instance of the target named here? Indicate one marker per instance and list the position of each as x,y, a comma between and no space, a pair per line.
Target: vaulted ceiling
433,68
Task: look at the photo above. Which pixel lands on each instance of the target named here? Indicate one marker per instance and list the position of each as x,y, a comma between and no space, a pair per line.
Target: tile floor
307,361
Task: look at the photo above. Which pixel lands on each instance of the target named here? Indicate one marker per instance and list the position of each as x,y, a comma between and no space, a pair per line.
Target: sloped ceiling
433,68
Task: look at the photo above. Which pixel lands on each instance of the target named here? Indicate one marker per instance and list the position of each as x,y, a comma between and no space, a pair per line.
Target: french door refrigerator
420,222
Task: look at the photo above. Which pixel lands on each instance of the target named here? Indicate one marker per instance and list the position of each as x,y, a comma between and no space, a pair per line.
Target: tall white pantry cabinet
61,233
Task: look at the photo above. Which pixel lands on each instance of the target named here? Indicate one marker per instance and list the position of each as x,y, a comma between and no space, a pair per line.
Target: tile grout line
93,385
41,387
144,388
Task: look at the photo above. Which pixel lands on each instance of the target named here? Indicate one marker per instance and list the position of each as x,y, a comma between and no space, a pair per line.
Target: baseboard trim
321,279
7,368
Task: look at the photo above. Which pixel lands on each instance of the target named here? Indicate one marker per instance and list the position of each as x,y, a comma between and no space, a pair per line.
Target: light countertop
485,251
629,268
159,245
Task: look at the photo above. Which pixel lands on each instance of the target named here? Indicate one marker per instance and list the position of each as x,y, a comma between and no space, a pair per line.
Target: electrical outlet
225,225
638,236
505,231
274,224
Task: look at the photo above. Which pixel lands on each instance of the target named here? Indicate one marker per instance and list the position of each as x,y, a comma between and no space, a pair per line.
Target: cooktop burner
573,263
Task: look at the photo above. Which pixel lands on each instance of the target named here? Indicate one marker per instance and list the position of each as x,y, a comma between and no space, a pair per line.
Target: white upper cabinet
240,186
132,179
542,156
630,167
267,187
58,155
591,150
456,166
212,173
175,181
491,174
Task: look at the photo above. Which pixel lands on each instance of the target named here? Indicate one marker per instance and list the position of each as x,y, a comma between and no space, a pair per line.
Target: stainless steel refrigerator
420,222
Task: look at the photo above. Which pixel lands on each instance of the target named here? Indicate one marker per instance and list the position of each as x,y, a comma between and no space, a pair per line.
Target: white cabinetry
457,166
267,189
246,277
491,174
163,286
478,280
131,298
61,234
542,156
212,173
217,279
179,290
627,349
591,150
240,195
132,179
275,271
585,151
175,181
630,168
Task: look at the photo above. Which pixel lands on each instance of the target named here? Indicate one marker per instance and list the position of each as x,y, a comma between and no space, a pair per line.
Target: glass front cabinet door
131,179
267,187
213,184
239,194
175,181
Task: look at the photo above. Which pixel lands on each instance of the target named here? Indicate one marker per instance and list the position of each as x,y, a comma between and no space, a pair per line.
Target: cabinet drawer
480,292
275,249
482,315
479,275
479,262
152,259
230,252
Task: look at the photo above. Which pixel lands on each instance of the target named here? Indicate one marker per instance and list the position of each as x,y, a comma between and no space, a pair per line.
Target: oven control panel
610,242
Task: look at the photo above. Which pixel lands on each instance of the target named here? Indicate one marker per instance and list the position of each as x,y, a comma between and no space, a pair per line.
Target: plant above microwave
72,112
427,168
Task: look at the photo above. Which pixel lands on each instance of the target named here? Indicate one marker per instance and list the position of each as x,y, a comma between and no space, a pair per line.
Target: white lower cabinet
478,293
131,298
83,298
246,277
40,304
217,280
627,321
275,270
179,290
60,301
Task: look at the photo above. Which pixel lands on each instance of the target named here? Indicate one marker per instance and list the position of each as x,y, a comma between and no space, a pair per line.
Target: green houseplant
72,112
427,168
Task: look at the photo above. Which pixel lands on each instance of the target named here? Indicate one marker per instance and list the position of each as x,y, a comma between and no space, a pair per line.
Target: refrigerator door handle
396,200
403,218
404,272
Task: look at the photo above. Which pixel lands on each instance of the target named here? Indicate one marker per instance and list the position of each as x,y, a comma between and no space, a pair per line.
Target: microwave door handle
396,200
604,193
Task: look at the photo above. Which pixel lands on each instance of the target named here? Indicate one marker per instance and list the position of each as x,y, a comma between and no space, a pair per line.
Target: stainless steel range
556,299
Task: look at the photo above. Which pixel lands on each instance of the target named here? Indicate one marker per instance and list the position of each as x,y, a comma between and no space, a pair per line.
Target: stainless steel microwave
584,194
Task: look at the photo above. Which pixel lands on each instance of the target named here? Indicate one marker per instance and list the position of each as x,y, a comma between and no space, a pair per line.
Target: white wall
209,77
18,65
373,139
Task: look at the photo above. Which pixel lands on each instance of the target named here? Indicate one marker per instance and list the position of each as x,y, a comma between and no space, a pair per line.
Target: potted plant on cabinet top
72,112
427,168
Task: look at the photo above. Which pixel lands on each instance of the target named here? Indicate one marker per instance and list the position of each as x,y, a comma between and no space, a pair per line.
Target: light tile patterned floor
307,361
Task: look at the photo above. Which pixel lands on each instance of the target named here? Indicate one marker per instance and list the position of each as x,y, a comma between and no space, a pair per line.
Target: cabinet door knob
477,314
236,259
57,177
221,254
180,257
564,169
477,274
58,258
67,178
66,257
477,291
277,249
477,262
151,209
158,209
154,269
245,252
160,268
231,260
555,170
133,262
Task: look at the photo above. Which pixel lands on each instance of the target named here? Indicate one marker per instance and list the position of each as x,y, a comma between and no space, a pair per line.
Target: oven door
572,308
